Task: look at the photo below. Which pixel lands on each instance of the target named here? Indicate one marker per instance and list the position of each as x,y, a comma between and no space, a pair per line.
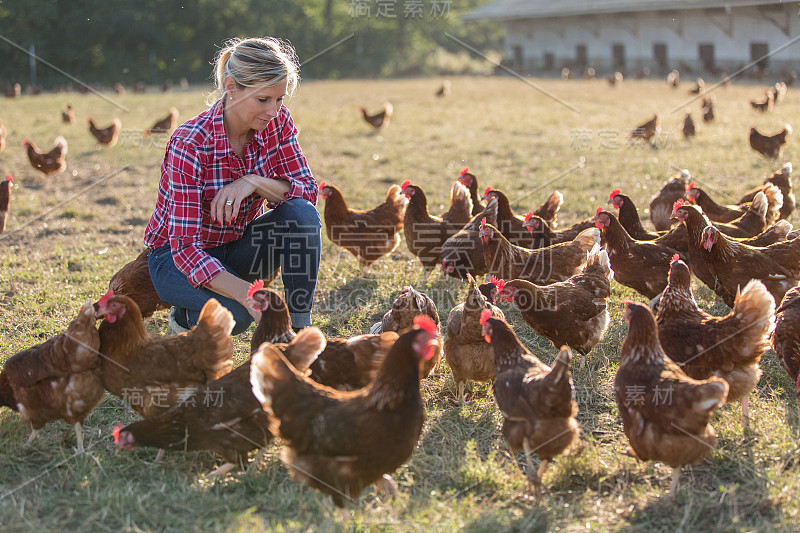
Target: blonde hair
255,62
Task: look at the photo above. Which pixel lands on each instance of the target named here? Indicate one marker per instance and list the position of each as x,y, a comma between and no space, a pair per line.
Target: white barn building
629,35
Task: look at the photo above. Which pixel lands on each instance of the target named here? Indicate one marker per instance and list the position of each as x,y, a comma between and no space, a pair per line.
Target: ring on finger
229,202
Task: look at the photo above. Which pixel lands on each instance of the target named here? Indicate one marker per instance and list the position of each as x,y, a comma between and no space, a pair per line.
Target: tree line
152,41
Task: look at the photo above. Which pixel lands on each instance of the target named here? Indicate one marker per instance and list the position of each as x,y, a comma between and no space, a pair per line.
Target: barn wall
682,31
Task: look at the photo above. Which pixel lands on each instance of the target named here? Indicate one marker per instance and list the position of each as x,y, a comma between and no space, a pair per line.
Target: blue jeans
287,237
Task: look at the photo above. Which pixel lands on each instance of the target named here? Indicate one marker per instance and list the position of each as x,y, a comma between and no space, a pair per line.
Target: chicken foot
461,397
387,486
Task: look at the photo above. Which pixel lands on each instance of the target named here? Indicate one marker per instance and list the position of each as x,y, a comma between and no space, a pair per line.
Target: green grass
67,234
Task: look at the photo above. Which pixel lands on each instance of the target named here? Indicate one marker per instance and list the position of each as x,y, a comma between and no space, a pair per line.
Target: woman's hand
235,288
255,313
226,204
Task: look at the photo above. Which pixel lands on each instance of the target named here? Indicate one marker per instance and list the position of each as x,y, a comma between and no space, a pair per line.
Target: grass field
66,235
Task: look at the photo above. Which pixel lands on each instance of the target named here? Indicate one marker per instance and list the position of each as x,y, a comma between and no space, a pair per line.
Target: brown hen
770,145
542,266
133,280
470,358
665,413
425,234
640,265
56,380
151,374
786,337
51,162
368,235
572,312
661,205
782,179
106,136
703,345
341,442
536,401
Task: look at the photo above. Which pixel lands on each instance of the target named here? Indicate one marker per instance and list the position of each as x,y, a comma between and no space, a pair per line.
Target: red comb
483,222
464,171
613,194
528,216
487,191
599,210
485,315
256,286
691,186
105,298
321,185
675,257
405,184
9,178
425,322
115,433
498,283
680,202
627,302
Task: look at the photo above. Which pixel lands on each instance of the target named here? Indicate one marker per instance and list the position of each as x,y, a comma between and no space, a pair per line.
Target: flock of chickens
560,279
349,412
767,145
54,161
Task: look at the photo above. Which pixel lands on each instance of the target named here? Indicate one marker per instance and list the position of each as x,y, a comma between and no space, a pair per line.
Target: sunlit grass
56,254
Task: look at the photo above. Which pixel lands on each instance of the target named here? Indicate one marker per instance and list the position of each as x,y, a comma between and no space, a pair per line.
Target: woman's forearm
229,286
272,190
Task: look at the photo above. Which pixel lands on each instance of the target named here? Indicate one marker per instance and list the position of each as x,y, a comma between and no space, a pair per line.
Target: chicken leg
676,476
461,396
533,478
79,434
32,436
221,471
257,460
745,411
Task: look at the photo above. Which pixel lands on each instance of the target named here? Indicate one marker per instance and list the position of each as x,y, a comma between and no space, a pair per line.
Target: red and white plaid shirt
199,161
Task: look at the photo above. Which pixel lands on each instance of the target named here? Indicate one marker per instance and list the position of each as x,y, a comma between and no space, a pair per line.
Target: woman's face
254,107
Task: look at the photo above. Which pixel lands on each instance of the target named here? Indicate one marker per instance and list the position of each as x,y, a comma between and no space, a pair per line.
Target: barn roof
536,9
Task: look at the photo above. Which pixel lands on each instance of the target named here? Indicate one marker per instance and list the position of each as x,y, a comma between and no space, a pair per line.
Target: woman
209,235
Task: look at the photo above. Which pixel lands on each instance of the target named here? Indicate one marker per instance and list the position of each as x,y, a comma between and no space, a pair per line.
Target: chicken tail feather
754,308
459,194
266,368
305,348
216,323
396,197
61,143
560,369
760,205
588,238
774,201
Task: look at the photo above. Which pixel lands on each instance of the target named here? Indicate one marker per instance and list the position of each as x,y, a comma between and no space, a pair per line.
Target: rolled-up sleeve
185,211
291,164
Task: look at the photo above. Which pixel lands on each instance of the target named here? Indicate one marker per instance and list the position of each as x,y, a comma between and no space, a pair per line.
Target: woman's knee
302,213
